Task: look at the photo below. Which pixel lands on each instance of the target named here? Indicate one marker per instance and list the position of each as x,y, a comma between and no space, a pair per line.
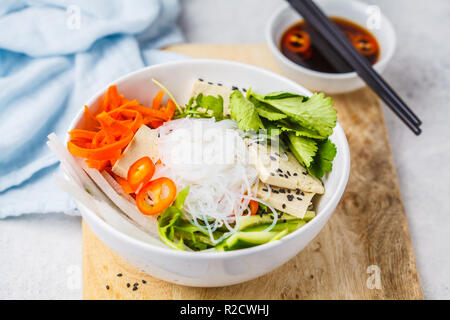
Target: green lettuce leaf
323,161
244,112
304,149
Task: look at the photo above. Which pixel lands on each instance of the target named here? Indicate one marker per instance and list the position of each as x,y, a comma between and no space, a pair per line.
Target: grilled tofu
143,144
292,201
208,89
282,170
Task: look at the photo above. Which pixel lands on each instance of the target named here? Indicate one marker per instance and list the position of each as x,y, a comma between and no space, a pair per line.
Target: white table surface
40,255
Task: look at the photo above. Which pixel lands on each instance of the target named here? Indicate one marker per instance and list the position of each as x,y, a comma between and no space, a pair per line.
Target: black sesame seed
209,82
283,206
295,174
273,158
219,84
277,154
107,287
143,281
275,191
128,285
243,89
271,217
282,191
281,175
265,190
119,275
299,199
288,190
234,88
297,192
305,173
135,288
200,79
289,174
135,284
290,197
279,170
302,193
286,176
284,220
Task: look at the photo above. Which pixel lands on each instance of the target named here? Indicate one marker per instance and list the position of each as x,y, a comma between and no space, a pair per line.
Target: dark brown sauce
298,45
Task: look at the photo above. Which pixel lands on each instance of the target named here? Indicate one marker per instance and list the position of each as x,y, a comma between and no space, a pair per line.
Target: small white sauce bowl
213,269
355,11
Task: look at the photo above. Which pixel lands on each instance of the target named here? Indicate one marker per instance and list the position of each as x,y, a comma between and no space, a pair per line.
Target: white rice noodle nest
212,159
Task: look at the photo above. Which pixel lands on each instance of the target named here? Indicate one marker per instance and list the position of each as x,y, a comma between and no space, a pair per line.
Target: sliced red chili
253,207
365,44
140,172
156,196
297,41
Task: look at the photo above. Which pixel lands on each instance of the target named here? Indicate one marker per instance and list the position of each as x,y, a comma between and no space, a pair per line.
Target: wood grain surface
366,239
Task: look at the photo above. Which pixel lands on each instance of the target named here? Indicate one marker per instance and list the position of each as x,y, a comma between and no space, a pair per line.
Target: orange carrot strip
106,152
158,100
146,111
89,114
112,99
124,184
80,134
97,164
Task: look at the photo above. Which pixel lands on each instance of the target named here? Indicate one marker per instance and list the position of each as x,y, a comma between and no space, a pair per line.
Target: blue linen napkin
55,54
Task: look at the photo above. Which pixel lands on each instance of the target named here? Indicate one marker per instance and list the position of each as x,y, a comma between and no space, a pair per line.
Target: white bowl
212,269
330,82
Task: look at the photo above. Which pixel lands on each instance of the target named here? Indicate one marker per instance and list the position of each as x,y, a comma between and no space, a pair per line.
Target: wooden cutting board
364,251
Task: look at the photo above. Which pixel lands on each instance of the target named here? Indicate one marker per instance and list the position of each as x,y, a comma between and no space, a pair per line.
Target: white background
40,256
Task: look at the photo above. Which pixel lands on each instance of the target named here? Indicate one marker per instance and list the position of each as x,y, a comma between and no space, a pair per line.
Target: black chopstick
320,22
339,36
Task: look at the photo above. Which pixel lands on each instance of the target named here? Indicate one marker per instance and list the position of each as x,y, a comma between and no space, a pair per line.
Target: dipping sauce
298,45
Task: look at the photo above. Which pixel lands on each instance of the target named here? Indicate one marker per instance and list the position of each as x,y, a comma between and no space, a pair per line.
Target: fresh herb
304,149
314,113
203,107
303,123
244,112
323,161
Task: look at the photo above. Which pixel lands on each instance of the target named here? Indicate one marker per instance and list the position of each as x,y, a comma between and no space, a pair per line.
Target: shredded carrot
116,124
158,100
112,99
89,114
124,184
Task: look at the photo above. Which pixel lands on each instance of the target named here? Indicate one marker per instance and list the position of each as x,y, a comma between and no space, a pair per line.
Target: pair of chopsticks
336,43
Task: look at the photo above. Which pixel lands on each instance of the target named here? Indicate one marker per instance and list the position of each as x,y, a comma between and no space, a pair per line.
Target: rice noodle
212,158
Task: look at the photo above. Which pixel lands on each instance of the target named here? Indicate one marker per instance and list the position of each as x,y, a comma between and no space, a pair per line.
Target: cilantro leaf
323,161
211,103
316,113
282,95
288,126
244,112
266,111
304,149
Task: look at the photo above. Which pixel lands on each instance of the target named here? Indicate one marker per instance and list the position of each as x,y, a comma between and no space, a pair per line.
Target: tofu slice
282,170
292,201
213,90
144,143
